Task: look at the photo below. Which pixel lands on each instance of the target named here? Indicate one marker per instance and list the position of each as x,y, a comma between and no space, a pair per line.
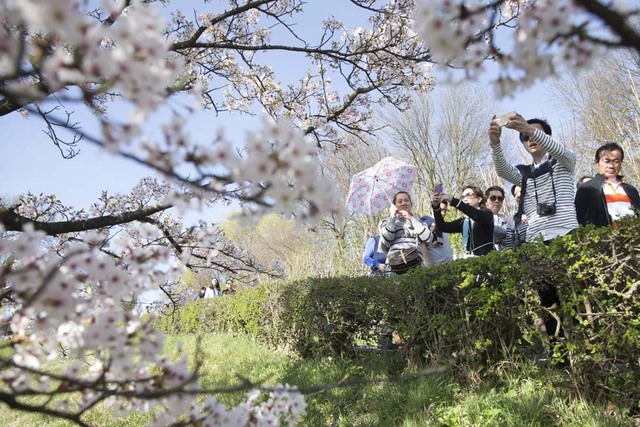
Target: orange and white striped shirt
618,203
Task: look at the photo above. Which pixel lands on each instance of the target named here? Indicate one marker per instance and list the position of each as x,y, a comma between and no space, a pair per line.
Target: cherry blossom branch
220,18
616,22
16,222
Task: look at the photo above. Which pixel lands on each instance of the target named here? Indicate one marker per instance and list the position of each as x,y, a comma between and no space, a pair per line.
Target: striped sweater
564,220
397,233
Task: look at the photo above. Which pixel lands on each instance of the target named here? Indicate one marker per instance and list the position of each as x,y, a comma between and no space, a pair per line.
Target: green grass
526,398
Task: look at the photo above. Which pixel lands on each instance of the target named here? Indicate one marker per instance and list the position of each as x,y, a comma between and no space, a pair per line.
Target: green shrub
473,312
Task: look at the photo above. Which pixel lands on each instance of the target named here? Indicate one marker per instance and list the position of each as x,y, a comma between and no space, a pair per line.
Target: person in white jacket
214,289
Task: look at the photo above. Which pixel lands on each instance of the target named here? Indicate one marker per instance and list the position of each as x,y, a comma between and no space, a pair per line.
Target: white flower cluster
129,56
46,208
463,33
71,305
546,38
283,405
385,49
279,173
281,168
444,30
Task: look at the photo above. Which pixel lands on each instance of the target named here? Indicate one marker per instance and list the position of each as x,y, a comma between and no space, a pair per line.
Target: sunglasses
496,198
469,194
524,138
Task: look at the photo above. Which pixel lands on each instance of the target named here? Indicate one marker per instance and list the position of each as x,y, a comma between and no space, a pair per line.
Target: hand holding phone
503,119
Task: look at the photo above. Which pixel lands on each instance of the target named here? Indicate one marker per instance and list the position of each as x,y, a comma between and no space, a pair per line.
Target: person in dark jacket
200,295
476,228
606,198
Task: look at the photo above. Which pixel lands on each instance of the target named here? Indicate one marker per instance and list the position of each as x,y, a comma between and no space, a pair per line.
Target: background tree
445,133
351,230
606,106
276,241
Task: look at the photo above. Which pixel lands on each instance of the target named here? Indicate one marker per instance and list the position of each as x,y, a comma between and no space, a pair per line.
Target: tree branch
11,401
616,23
15,222
217,19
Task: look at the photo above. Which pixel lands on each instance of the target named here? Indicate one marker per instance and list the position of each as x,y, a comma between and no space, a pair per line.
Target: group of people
548,203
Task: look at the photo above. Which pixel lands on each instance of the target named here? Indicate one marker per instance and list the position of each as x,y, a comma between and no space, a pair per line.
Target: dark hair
400,192
542,122
494,188
513,189
609,147
477,191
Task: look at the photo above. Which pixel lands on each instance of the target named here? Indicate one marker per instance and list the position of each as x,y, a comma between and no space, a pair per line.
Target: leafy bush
473,312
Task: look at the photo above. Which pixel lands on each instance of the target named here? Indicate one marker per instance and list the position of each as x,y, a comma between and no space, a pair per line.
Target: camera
546,209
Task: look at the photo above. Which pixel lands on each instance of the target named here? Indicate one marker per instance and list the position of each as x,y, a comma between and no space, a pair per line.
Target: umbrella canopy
372,190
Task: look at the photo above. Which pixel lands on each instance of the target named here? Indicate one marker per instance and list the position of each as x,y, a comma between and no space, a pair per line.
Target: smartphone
503,119
438,188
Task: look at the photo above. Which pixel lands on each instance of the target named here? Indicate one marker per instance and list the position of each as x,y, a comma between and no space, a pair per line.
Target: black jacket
481,232
591,205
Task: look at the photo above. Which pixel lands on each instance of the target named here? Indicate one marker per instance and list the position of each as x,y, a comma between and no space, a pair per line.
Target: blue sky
30,162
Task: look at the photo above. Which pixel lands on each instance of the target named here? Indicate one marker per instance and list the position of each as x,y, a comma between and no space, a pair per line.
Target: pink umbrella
372,190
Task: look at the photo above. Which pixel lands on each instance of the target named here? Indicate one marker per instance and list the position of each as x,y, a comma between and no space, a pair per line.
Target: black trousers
548,297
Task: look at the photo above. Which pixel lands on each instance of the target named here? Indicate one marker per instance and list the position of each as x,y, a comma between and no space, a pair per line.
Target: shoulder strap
525,171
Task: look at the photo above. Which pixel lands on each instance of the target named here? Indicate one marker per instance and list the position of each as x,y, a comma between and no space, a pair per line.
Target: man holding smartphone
547,195
547,183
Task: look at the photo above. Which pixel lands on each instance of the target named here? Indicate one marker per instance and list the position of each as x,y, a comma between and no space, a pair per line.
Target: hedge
472,312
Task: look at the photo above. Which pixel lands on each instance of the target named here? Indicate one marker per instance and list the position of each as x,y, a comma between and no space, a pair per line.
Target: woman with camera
476,228
402,235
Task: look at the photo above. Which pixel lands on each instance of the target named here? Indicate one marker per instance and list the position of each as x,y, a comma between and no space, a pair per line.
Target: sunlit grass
377,390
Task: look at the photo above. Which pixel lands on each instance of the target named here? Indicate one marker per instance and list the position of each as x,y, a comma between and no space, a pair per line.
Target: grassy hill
377,388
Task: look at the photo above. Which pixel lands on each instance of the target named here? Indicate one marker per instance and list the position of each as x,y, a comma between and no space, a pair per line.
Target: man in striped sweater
549,194
547,199
606,198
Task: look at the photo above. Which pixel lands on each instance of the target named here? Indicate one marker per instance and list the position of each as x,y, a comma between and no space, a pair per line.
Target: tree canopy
65,272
